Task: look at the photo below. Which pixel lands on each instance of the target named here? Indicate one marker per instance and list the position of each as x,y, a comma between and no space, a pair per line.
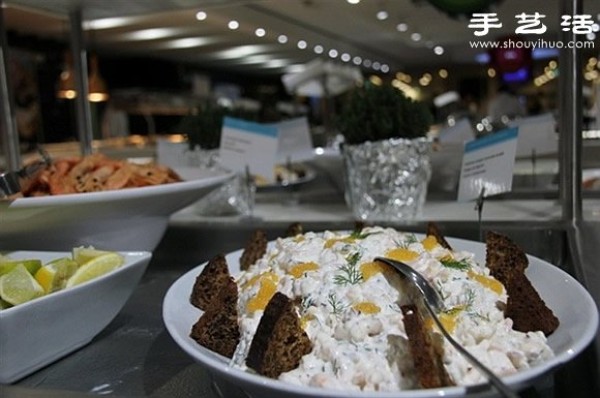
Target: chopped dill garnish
359,234
336,305
451,263
306,303
408,240
350,274
470,298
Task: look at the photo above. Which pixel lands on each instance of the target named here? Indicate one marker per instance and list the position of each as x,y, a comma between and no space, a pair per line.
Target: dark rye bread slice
426,355
433,230
255,248
527,309
504,257
294,229
507,263
212,279
279,342
217,329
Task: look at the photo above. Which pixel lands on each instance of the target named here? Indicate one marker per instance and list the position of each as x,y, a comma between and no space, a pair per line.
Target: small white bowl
126,219
39,332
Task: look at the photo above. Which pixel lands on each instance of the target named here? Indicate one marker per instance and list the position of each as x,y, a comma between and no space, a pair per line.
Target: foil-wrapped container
387,180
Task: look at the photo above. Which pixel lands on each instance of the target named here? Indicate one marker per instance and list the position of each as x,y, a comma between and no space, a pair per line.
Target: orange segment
487,281
447,319
429,243
267,290
372,268
330,242
299,269
402,254
366,307
268,274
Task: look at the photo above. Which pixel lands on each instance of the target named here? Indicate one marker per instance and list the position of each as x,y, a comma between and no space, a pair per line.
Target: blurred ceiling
409,37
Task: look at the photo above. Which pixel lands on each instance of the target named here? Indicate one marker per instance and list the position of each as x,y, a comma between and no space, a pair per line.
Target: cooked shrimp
96,172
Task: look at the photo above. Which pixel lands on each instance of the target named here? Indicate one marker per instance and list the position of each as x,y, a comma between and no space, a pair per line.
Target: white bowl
43,330
573,306
126,219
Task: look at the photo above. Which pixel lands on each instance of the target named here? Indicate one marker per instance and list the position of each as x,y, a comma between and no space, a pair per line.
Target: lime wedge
7,265
84,254
18,286
4,305
95,267
54,275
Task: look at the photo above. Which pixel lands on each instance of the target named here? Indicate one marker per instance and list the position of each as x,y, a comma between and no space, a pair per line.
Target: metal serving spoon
434,303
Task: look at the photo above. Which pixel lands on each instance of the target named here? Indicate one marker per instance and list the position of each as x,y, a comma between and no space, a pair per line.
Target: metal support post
9,135
80,67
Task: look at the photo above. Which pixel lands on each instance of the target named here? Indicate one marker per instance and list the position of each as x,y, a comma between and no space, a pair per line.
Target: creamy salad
349,306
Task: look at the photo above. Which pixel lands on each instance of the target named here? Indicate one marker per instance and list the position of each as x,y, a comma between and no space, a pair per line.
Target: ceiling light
382,15
186,42
591,36
66,80
367,63
241,51
357,60
260,32
415,36
97,91
353,1
302,44
482,58
491,72
438,50
108,23
233,25
150,34
318,49
97,86
333,53
376,80
402,27
443,73
282,39
255,59
201,15
385,68
376,65
276,63
345,57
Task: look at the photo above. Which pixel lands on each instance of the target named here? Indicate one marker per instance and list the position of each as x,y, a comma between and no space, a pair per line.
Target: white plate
41,331
125,219
309,175
574,307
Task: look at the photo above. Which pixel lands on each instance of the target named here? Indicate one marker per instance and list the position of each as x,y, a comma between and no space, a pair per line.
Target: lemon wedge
95,267
18,286
54,275
83,254
8,264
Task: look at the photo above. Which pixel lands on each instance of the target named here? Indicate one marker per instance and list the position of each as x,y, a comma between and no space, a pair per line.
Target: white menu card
248,144
488,165
295,143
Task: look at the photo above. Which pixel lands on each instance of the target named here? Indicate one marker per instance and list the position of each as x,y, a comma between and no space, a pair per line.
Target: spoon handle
502,388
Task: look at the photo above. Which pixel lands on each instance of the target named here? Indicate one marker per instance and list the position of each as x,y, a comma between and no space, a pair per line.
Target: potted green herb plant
386,153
